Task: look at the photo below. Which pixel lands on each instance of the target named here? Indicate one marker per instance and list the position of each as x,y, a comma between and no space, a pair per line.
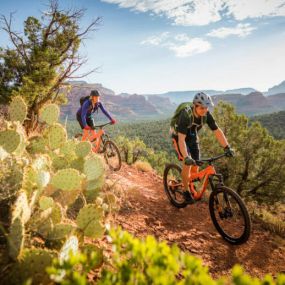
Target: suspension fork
214,187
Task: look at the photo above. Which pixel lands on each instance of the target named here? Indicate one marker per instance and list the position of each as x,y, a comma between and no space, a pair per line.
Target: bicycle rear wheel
173,186
112,155
229,215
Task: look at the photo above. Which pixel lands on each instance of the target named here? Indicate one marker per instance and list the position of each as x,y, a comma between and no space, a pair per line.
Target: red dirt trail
147,211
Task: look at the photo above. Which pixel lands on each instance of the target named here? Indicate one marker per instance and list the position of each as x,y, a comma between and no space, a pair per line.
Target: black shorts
192,148
89,121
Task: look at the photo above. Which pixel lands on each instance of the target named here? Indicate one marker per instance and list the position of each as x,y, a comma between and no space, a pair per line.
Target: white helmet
203,99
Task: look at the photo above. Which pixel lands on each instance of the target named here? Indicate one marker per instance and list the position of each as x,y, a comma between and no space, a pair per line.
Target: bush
143,166
148,261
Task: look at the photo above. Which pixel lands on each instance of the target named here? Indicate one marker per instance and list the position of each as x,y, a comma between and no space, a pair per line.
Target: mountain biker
185,136
90,105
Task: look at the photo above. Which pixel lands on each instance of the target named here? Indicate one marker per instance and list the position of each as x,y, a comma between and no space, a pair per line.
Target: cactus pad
42,162
21,208
36,144
10,140
67,179
66,198
49,114
59,162
18,109
94,167
82,149
46,202
3,153
60,231
43,178
88,220
70,246
78,164
56,214
68,147
16,238
33,266
55,136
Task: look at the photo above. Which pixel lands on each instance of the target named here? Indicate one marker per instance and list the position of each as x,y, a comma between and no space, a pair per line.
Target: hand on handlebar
188,160
229,152
113,121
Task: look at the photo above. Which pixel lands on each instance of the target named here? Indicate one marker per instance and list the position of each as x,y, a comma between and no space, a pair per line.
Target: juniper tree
40,59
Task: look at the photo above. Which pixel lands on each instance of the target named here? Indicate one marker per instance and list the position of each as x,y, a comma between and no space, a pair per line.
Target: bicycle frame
93,136
204,175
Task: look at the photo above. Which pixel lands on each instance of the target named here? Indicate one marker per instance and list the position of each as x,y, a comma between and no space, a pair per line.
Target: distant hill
124,107
280,88
150,106
275,123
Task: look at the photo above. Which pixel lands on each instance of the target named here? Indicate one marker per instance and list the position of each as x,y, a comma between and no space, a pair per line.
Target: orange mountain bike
101,143
227,210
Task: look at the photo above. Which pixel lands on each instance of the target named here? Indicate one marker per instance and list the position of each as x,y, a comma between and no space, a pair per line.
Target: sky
156,46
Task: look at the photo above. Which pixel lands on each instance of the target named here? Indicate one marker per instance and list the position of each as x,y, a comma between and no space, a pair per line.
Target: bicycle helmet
203,99
94,93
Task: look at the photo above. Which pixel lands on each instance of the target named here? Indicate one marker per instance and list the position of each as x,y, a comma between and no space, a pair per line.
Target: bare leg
185,174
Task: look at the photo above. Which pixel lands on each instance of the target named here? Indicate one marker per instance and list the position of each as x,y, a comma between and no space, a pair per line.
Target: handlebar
210,160
101,126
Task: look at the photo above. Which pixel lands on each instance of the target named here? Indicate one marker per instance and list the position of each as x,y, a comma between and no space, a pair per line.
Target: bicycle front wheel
229,215
173,186
112,155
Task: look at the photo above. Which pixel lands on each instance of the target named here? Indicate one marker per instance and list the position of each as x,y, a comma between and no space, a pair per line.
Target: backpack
187,106
83,99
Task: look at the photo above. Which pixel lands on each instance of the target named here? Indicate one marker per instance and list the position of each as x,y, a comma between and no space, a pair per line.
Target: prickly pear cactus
60,231
18,109
59,162
70,246
66,198
36,144
16,238
43,179
82,149
49,114
89,221
3,153
46,202
55,136
32,266
21,208
29,183
94,167
42,162
10,140
67,179
93,189
56,214
78,164
68,148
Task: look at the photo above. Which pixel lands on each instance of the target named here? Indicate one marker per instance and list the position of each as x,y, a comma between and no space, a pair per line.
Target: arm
217,131
100,105
221,137
182,145
84,111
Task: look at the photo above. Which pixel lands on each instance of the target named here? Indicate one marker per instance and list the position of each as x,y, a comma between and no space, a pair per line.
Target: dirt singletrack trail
147,211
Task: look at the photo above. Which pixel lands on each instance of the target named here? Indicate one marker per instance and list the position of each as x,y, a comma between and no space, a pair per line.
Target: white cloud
156,40
181,44
241,30
191,47
203,12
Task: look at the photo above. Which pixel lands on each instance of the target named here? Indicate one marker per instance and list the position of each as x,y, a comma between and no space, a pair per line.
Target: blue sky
155,46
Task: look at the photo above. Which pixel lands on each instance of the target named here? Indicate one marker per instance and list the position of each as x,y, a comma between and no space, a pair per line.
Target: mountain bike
227,210
101,143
